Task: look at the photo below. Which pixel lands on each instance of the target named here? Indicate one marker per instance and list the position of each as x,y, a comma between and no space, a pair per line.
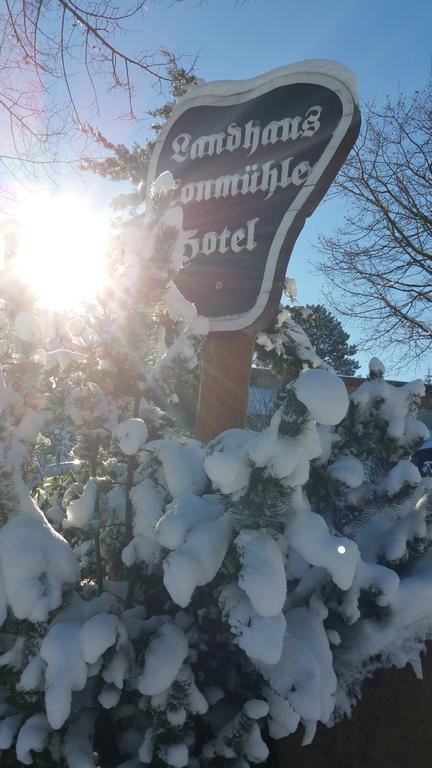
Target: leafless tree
58,60
380,260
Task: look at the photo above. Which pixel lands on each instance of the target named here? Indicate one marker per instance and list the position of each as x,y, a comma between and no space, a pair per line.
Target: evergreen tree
171,603
326,335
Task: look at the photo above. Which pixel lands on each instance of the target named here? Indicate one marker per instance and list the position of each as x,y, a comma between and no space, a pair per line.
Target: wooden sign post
224,384
252,159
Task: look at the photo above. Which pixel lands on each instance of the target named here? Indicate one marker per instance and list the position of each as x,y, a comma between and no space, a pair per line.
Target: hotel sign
252,159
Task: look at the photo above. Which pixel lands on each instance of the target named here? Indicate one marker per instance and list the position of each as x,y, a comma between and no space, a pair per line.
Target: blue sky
387,43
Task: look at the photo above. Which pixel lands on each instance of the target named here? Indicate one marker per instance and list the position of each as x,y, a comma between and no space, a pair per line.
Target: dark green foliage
326,335
265,502
294,415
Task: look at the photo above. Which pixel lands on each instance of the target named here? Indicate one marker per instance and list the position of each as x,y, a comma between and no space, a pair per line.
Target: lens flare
61,250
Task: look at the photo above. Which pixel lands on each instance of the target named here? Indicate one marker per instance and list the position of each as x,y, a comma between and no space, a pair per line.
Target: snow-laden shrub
169,603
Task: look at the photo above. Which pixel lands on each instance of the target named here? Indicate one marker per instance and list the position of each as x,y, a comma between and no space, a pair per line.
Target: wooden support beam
226,363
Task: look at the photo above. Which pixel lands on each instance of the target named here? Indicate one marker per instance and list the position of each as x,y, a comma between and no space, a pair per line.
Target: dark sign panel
252,159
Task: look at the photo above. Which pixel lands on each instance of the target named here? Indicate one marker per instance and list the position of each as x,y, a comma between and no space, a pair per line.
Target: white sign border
329,74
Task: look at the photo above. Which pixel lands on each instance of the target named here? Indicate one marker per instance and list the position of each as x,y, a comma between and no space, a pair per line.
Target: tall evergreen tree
170,603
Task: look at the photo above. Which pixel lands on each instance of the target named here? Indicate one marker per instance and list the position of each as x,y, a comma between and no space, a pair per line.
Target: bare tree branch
378,265
52,54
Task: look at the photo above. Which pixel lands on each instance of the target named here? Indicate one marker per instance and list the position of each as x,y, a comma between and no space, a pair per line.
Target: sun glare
61,250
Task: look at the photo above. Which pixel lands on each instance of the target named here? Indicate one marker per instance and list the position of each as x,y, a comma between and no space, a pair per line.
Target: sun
61,253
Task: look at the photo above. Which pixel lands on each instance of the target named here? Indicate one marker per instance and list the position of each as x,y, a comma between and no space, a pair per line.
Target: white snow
147,506
176,755
109,696
262,574
30,425
61,357
66,670
324,395
302,683
376,367
98,634
396,407
185,512
309,535
226,463
33,736
28,328
259,637
117,669
403,473
197,561
182,465
35,564
80,511
132,435
32,674
164,183
163,659
256,708
348,470
178,307
290,288
145,751
8,729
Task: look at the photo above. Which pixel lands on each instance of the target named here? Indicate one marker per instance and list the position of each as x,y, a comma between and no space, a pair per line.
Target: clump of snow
98,634
109,696
66,670
309,535
176,755
147,502
181,515
132,435
226,463
403,473
117,668
197,561
78,743
324,395
348,470
32,737
288,333
178,307
28,328
164,183
396,404
256,708
61,357
303,682
8,729
252,747
30,425
80,511
260,637
36,563
290,288
376,367
262,573
182,465
163,660
32,674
